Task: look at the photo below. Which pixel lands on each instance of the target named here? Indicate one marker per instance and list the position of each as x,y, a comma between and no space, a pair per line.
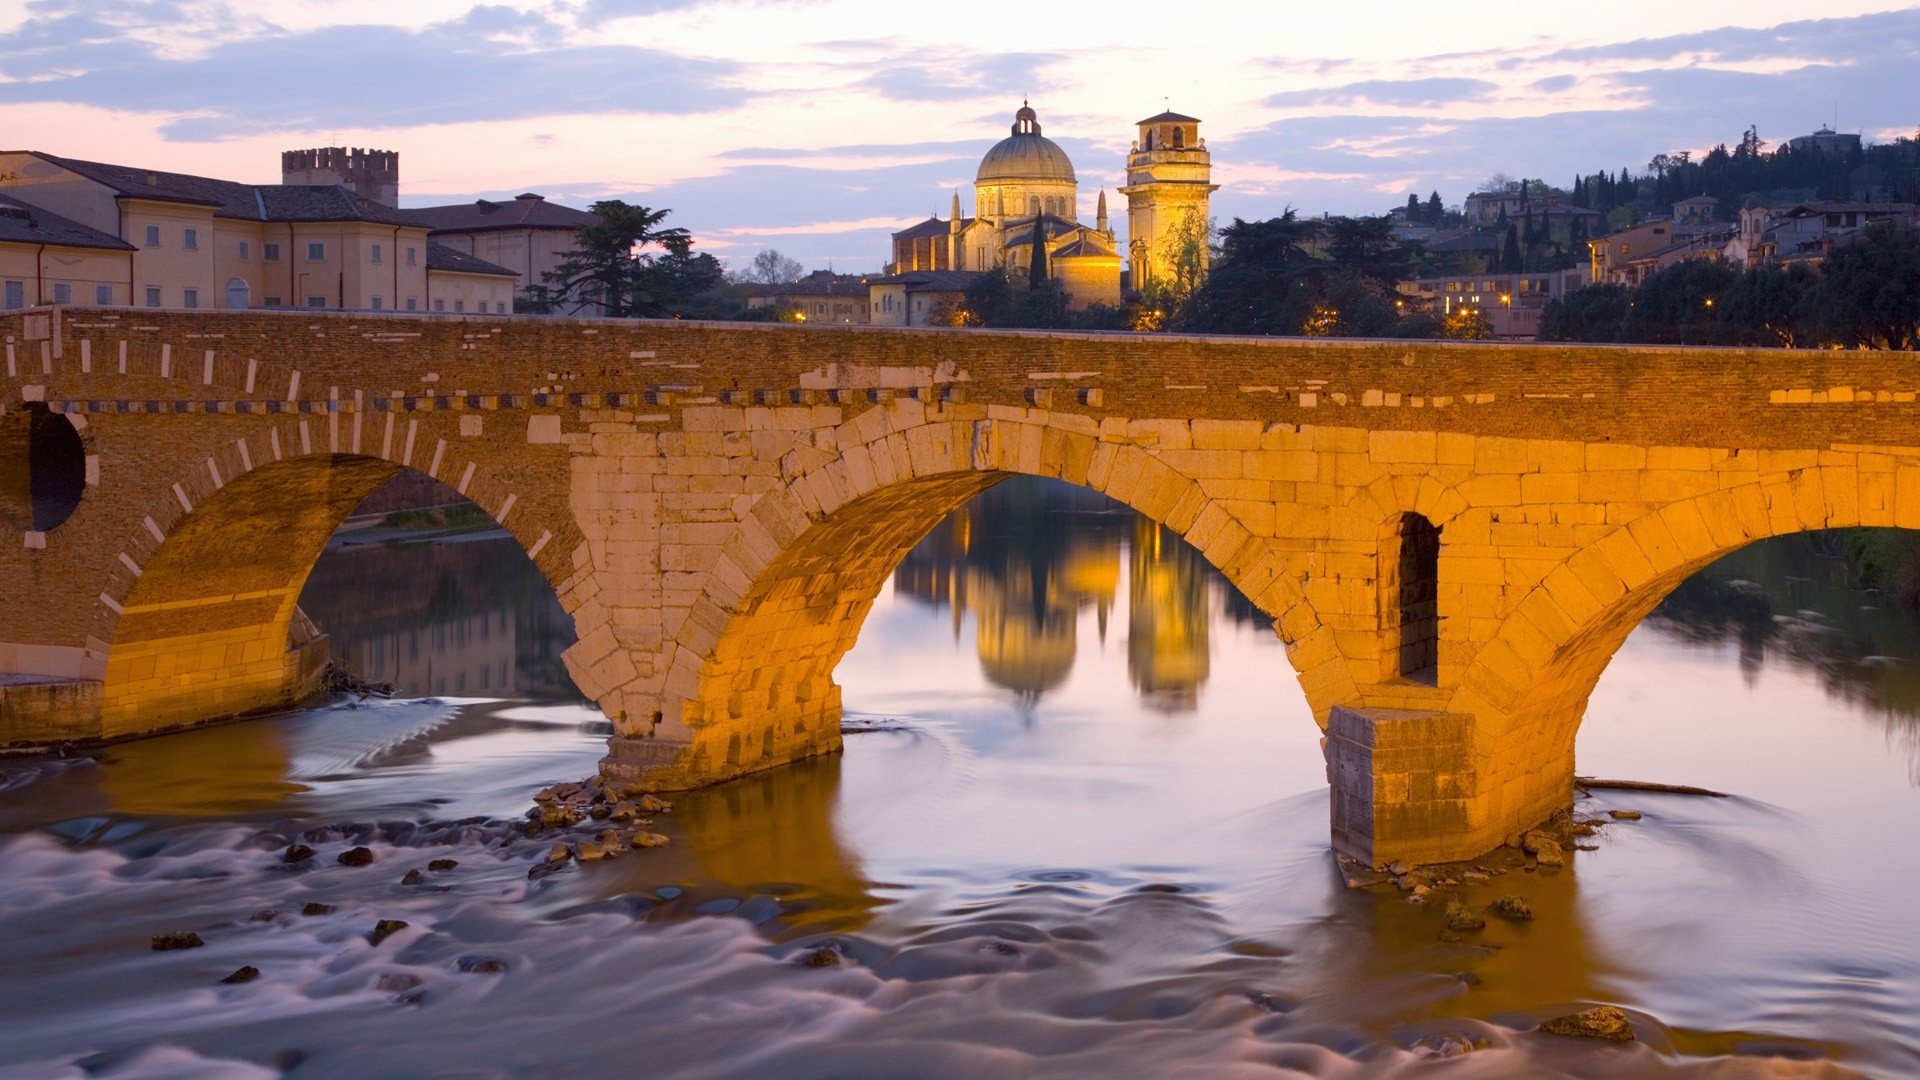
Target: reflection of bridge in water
489,626
1797,600
1451,538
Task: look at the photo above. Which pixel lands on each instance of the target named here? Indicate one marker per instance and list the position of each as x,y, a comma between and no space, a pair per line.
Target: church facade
1026,221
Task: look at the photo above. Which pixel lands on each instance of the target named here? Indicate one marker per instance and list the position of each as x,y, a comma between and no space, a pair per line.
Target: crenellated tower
1169,181
374,174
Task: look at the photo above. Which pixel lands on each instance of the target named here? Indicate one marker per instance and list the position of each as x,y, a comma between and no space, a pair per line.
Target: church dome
1025,154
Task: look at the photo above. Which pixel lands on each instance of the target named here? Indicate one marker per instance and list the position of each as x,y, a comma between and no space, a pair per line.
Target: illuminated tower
1169,179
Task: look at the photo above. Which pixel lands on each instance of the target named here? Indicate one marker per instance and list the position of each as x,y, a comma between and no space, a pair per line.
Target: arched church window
1148,145
1033,204
1179,137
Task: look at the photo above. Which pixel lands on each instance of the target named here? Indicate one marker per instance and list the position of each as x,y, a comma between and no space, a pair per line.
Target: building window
16,294
459,305
316,252
246,251
499,307
269,301
103,294
190,298
153,236
270,252
439,305
413,257
413,303
191,239
316,301
153,296
62,293
376,254
378,303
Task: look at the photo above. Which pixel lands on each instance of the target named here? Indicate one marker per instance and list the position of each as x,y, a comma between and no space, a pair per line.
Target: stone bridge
1452,538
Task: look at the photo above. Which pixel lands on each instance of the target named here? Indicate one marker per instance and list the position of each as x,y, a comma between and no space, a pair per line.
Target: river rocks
413,877
176,939
384,929
1624,815
603,846
827,955
648,840
1461,919
242,975
559,853
481,965
555,817
1548,853
356,856
1599,1022
1440,1047
1419,894
296,853
317,909
264,915
395,981
650,804
1511,908
1271,1002
442,865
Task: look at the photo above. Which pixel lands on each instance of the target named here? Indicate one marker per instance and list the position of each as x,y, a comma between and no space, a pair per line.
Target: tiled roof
230,199
25,224
527,211
1171,117
930,280
933,226
1080,248
442,257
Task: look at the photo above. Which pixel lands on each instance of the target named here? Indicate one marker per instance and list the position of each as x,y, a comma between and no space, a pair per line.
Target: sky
819,126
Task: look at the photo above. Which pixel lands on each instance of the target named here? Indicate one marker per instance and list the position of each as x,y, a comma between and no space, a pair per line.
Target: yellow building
184,241
1026,193
1169,187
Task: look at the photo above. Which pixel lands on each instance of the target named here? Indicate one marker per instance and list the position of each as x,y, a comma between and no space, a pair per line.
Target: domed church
1026,199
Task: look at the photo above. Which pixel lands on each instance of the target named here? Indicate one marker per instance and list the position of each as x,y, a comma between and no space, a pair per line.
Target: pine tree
1510,259
1435,209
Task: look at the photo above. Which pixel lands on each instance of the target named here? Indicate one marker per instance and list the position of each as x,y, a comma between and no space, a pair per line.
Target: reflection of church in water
1027,558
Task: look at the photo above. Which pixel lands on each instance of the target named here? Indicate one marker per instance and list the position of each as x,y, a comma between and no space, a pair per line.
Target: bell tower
1169,180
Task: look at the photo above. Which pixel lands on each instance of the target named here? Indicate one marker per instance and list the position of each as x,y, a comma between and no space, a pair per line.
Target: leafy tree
631,266
1868,294
1367,246
1187,251
1467,324
1590,314
772,268
988,300
1680,306
1768,305
1251,289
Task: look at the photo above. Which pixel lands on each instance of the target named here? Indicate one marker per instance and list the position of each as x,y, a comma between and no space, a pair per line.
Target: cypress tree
1038,273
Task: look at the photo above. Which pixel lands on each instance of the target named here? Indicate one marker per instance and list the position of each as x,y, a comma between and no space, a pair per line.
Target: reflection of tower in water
1167,654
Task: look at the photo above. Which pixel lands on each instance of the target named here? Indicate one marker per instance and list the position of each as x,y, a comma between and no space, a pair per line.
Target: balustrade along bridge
1452,538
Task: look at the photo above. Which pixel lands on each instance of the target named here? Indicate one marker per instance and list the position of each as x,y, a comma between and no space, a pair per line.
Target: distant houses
330,236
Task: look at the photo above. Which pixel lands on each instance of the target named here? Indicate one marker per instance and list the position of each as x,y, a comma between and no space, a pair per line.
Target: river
1079,828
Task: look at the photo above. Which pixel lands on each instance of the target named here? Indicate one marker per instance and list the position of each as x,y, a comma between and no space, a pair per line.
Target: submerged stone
1511,908
1599,1022
439,865
176,939
384,929
242,975
296,853
356,856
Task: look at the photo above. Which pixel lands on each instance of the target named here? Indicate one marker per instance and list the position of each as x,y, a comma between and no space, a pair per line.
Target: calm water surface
1079,829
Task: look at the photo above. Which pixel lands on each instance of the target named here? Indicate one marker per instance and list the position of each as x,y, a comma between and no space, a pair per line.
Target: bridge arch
200,620
748,681
1529,684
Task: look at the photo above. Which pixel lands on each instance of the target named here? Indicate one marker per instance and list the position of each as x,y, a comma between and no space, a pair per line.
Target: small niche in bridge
43,468
1410,594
